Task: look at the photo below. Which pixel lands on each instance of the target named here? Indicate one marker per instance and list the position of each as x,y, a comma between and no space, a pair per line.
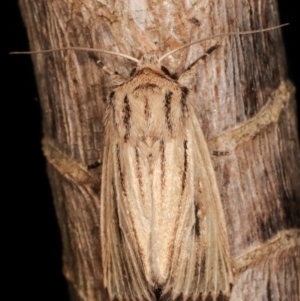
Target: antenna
238,33
76,48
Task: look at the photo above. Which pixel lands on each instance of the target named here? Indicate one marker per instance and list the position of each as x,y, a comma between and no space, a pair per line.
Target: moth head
149,61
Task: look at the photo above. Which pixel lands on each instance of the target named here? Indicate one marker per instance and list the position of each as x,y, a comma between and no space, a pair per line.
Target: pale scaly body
163,231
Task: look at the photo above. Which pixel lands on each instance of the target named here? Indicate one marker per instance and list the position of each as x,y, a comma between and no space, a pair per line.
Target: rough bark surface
245,104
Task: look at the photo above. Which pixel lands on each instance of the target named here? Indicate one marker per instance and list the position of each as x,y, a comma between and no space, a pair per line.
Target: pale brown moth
163,230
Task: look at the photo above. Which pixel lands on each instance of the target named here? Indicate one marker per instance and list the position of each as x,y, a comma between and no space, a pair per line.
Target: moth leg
190,72
115,77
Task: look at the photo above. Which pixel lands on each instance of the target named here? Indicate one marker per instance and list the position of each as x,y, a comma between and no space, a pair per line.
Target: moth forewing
204,261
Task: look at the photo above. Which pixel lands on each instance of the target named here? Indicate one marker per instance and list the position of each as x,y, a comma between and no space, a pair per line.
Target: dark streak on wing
120,232
202,266
162,164
220,153
126,117
111,105
179,298
185,166
166,296
147,109
197,222
209,297
269,291
111,97
168,97
222,297
184,94
139,174
120,171
158,292
228,272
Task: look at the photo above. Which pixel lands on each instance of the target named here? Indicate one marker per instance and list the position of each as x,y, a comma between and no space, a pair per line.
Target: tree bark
245,104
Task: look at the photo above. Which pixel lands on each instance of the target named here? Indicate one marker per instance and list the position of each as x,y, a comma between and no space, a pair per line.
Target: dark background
32,239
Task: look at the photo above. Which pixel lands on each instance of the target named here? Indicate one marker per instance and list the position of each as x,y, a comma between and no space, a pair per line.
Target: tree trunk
245,104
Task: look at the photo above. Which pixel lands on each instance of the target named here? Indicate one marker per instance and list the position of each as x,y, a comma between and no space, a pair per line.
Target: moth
163,230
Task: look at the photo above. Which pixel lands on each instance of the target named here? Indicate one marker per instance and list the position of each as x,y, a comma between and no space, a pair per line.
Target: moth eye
132,71
165,71
168,73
